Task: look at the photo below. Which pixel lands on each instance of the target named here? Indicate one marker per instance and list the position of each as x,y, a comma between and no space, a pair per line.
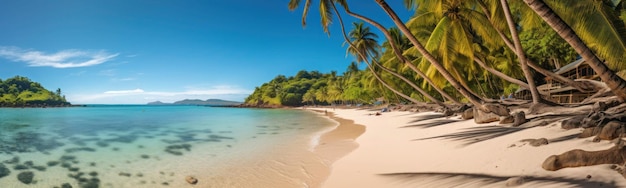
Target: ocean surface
156,146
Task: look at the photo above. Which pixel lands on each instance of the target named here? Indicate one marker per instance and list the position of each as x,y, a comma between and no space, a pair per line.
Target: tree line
20,91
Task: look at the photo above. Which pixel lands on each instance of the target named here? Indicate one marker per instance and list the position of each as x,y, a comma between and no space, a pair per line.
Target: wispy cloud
139,96
125,91
62,59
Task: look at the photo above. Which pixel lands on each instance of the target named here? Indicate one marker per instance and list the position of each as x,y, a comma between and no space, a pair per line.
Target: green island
20,91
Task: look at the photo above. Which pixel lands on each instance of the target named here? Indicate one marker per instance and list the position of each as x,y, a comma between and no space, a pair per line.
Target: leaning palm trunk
500,74
474,99
520,53
370,66
580,86
399,55
420,90
616,83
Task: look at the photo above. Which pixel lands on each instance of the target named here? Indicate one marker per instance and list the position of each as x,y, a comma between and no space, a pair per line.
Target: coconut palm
474,99
617,84
397,48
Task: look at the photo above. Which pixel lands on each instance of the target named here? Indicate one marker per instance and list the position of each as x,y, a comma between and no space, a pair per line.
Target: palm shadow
435,179
433,123
477,134
426,117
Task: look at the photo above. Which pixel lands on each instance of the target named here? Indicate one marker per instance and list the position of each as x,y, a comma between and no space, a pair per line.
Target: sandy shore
404,149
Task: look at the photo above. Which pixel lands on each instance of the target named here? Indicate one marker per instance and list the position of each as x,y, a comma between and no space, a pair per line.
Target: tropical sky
139,51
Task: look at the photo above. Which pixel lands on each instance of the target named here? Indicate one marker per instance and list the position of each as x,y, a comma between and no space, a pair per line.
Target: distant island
20,91
198,102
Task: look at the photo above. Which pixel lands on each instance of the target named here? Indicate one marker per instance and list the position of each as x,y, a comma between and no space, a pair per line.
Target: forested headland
20,91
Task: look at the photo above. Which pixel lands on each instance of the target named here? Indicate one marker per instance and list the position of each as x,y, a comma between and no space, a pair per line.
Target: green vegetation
453,51
22,92
316,88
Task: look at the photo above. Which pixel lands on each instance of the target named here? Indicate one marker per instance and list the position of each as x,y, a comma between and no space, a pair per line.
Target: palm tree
615,83
475,100
364,41
394,43
520,52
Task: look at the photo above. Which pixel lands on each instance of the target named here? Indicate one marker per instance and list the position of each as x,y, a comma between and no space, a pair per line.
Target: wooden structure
560,93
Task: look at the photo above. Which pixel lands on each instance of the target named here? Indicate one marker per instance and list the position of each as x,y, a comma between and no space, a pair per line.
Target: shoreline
425,149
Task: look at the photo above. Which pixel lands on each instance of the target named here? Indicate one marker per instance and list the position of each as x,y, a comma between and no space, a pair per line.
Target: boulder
468,114
577,157
612,130
589,132
191,180
519,119
484,117
497,109
572,123
506,119
26,177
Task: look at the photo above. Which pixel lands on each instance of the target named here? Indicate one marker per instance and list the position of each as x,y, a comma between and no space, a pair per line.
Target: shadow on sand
436,179
433,123
477,134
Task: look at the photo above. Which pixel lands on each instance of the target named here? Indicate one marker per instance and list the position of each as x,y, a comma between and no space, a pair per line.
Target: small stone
191,180
588,176
145,156
515,181
66,185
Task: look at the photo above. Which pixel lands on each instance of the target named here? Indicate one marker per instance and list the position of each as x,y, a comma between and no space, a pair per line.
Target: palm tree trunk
475,100
401,57
420,90
371,68
500,74
520,53
616,83
577,85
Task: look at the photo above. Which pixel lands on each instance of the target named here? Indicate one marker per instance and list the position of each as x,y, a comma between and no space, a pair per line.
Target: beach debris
4,171
515,181
519,118
124,174
577,158
26,177
506,119
191,180
536,142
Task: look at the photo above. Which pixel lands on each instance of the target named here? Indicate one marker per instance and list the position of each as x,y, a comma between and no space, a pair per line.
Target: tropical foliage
20,91
467,50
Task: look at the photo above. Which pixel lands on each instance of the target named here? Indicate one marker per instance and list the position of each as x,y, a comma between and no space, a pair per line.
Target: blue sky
134,52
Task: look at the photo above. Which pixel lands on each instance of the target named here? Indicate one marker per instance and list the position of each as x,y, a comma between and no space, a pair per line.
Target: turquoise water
142,146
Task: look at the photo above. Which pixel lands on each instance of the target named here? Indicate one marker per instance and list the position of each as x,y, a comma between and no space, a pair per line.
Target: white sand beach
406,149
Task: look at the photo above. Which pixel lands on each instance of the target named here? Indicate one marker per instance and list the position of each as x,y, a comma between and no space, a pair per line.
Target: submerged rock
26,177
4,171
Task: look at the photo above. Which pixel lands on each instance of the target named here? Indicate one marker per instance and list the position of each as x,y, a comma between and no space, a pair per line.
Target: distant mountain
198,102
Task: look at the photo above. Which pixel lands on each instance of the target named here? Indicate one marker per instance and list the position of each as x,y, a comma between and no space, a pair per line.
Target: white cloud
139,96
62,59
125,91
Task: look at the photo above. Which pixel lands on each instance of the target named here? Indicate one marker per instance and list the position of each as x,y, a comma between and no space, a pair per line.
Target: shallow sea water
148,146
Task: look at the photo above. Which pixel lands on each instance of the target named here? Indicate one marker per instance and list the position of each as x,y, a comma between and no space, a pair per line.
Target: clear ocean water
146,146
